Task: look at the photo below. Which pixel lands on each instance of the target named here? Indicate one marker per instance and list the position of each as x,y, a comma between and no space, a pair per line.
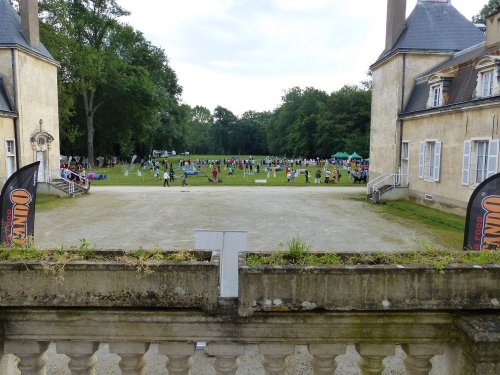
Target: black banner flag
17,206
482,224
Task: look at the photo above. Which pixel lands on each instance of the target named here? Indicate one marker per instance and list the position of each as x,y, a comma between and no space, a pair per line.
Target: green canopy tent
355,155
344,155
338,154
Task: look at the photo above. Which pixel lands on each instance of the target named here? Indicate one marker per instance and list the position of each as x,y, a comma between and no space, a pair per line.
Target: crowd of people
324,171
72,172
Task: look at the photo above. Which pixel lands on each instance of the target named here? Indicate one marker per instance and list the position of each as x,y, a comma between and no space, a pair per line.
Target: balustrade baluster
31,354
226,356
372,356
275,357
82,356
179,356
132,356
323,362
418,357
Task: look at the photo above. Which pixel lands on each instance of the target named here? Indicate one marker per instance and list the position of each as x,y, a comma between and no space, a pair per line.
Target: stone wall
37,98
452,128
393,82
446,319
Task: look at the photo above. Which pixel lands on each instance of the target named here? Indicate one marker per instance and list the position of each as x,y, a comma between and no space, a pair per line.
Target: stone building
436,102
29,124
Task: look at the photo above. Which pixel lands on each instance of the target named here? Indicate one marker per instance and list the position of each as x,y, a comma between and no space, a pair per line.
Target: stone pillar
323,362
31,354
82,356
275,357
226,356
372,356
418,357
179,356
132,356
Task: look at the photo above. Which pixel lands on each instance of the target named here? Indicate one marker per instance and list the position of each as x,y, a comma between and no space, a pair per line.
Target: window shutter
492,157
437,161
421,159
466,164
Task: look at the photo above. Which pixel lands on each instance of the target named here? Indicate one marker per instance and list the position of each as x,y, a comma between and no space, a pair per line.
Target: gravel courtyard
132,217
148,217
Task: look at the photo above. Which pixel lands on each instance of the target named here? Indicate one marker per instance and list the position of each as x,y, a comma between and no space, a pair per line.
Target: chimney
396,17
493,29
29,21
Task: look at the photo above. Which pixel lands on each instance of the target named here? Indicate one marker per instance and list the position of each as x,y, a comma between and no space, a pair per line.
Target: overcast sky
243,54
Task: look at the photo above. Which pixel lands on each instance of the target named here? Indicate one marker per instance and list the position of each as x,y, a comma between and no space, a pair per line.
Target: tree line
308,123
118,96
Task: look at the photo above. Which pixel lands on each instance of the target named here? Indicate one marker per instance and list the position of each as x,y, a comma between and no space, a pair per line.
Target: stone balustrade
463,344
97,306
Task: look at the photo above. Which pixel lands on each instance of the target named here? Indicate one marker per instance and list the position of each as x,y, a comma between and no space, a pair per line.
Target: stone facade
453,128
29,75
389,95
428,105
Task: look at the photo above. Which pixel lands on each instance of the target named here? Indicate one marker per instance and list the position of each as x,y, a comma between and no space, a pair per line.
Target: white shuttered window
466,164
429,161
437,161
480,160
492,158
421,160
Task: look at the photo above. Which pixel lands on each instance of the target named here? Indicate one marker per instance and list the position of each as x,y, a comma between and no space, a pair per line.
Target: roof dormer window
436,95
487,77
438,90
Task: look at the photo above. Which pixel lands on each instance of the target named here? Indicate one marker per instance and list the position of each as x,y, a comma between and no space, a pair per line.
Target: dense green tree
293,128
85,27
487,9
252,127
224,130
198,129
345,122
115,86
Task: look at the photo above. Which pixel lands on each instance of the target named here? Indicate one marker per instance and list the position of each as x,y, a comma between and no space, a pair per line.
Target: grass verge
445,229
47,202
298,253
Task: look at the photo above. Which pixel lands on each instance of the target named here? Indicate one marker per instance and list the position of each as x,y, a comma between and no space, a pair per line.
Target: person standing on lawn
327,176
165,178
172,173
317,177
307,176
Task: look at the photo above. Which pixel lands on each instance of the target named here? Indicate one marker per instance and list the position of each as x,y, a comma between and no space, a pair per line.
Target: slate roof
5,104
11,34
436,27
462,86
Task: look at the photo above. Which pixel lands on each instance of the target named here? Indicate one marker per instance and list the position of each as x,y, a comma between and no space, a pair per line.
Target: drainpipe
16,119
400,122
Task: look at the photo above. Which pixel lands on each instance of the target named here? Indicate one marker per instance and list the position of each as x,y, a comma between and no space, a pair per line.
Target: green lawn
117,175
446,229
46,202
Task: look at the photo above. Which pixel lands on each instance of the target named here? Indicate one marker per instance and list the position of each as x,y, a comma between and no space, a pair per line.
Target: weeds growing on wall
54,261
298,253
